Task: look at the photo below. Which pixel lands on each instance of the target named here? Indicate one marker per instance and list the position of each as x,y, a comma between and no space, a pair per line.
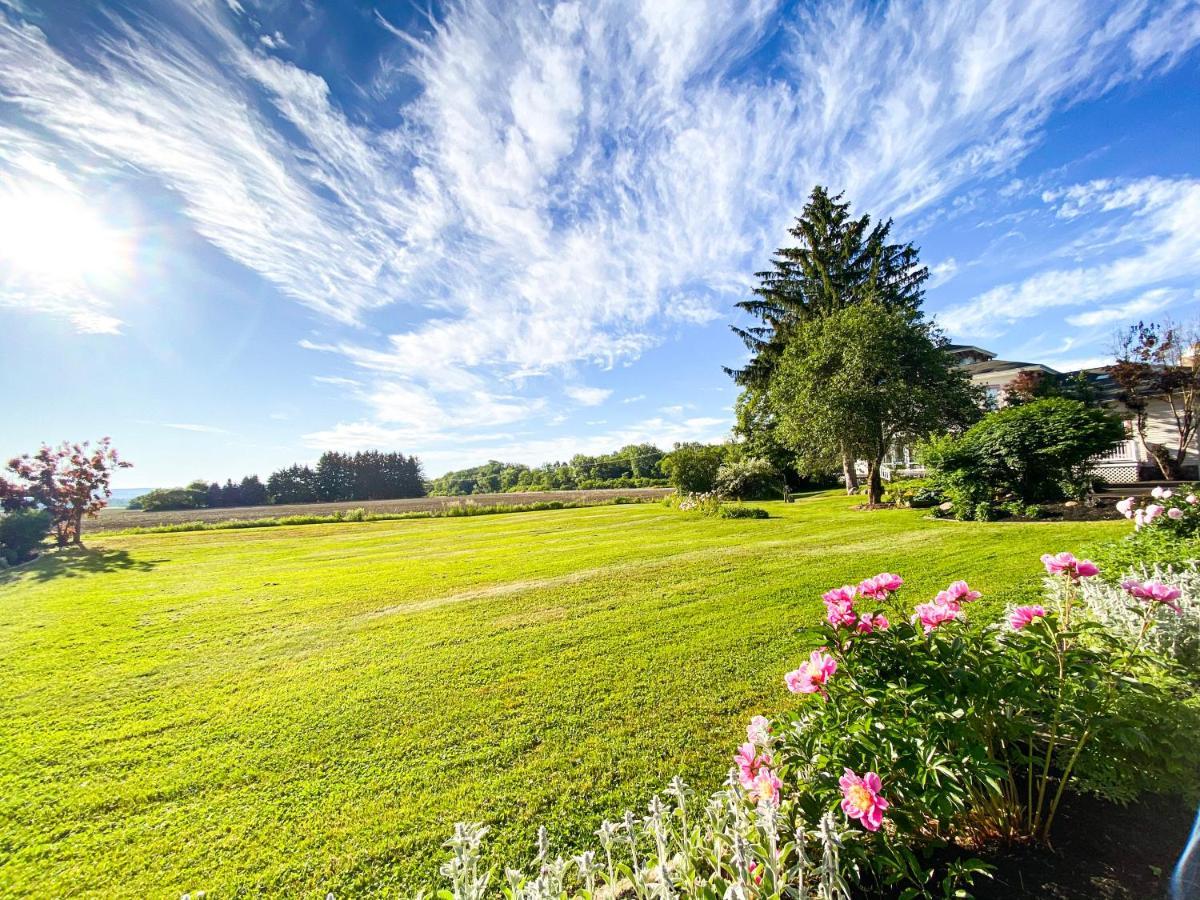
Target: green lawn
309,709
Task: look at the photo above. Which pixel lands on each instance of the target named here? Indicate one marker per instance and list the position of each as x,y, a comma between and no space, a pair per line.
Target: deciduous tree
70,481
862,378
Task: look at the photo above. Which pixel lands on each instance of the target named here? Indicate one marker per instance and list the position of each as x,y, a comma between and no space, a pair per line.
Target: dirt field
115,519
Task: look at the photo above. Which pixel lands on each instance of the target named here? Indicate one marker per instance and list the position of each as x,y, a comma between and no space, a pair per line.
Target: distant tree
294,484
163,499
70,481
837,261
692,467
749,478
213,495
1161,362
864,378
253,491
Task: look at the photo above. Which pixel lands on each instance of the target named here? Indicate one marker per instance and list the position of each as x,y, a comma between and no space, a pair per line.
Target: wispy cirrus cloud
1154,242
569,183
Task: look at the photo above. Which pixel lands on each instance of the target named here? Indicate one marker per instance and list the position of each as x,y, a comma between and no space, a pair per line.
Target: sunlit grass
308,709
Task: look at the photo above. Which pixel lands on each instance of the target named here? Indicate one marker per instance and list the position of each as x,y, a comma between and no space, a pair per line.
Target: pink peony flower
749,763
1067,564
839,607
1125,507
956,595
1160,493
1154,592
758,732
868,623
880,586
1192,499
1175,513
1153,511
931,615
810,678
861,800
765,787
1139,519
1023,615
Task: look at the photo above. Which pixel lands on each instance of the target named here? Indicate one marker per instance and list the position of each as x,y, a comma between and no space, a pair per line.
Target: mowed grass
293,711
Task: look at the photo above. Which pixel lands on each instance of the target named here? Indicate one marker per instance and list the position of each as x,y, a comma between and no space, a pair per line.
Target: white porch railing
1123,454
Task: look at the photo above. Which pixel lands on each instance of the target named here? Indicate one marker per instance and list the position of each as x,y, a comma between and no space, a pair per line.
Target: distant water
121,496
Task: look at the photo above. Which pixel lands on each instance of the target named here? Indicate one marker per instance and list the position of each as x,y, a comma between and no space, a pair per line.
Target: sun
51,235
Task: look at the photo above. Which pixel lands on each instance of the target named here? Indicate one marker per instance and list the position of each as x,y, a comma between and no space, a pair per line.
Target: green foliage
916,493
161,499
635,465
1147,547
748,478
1033,453
742,512
692,467
858,380
21,533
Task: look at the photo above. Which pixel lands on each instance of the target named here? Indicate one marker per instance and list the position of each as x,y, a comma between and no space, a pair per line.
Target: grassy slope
310,709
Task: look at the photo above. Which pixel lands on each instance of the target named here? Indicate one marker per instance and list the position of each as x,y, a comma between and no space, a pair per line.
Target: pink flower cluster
1066,564
945,607
1151,512
810,678
755,774
861,799
1154,592
1024,615
839,603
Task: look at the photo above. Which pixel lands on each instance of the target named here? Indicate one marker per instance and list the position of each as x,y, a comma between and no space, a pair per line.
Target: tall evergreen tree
838,261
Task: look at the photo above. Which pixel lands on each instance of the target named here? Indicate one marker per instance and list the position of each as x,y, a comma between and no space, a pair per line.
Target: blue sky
234,234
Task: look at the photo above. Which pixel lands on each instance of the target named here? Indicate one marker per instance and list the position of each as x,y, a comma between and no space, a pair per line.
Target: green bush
166,499
692,468
918,493
742,512
1148,547
1034,453
748,479
21,532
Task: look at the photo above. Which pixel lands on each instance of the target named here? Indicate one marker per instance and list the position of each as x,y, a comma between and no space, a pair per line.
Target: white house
1127,464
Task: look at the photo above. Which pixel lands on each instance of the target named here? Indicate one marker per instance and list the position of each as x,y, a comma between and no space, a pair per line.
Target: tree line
366,475
634,465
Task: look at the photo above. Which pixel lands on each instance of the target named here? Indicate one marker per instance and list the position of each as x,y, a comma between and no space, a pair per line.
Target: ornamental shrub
1034,453
918,493
748,479
21,532
742,512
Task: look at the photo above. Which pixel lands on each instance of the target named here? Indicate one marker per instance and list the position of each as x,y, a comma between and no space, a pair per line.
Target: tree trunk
874,483
1167,464
850,473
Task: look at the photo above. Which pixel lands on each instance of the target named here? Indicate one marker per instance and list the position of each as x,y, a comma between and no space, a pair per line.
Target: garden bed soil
1101,852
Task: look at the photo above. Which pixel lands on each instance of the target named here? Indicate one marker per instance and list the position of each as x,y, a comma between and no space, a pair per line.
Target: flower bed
913,746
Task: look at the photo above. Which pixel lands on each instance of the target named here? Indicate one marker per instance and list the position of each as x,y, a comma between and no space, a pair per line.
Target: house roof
1003,365
969,348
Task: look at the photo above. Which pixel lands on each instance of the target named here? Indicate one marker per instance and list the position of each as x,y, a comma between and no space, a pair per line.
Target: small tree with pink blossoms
70,481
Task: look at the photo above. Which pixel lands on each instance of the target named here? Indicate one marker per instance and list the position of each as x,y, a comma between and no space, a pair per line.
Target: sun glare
51,234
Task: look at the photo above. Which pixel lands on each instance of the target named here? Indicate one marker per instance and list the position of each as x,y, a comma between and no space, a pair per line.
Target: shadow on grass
75,561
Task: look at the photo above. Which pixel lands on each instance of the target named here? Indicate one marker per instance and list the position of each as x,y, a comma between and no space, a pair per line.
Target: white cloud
569,183
588,396
191,426
941,272
1158,243
1125,313
636,398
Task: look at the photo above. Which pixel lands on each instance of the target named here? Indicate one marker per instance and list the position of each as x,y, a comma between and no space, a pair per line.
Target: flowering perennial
1066,564
861,799
1154,591
810,678
1024,615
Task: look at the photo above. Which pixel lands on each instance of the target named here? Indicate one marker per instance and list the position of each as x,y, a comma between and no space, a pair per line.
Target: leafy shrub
742,512
166,499
918,493
748,479
21,532
692,468
1036,452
